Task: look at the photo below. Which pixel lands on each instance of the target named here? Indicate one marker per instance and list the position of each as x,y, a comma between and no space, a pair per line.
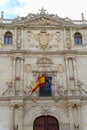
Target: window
46,90
78,39
8,38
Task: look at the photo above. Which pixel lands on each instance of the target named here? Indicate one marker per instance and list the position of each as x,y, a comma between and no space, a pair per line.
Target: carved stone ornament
60,68
68,44
28,68
44,61
18,38
46,110
44,21
43,18
43,38
68,40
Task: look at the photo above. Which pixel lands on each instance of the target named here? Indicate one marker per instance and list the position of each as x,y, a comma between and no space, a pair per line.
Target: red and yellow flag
39,82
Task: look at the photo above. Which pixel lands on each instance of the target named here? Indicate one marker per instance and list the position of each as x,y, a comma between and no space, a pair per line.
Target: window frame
46,91
78,38
8,38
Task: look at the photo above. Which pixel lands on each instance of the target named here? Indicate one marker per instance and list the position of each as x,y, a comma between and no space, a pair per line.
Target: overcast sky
63,8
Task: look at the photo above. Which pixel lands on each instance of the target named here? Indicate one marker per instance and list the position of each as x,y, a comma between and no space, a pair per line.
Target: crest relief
43,38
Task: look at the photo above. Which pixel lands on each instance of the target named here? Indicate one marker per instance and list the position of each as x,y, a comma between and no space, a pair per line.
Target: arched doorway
46,123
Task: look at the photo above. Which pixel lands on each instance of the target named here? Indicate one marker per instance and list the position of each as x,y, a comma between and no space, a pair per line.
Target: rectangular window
46,90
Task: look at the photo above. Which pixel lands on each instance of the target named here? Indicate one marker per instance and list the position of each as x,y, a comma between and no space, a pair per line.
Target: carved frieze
43,21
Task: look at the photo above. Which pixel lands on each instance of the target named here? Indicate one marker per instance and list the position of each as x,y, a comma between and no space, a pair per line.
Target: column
15,37
71,32
13,69
67,71
20,120
1,41
83,37
64,37
35,75
55,85
71,118
11,118
22,72
2,36
79,117
22,37
75,75
22,68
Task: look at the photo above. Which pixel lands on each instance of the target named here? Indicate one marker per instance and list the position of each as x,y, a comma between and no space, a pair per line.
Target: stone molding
37,111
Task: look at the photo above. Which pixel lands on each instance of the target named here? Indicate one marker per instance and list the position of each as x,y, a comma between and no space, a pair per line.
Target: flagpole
29,93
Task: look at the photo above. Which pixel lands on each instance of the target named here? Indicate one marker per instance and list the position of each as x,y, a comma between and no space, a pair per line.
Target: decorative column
22,37
67,73
83,37
22,68
15,37
20,120
11,118
75,75
35,75
13,71
55,84
2,35
22,72
64,37
71,117
71,34
79,117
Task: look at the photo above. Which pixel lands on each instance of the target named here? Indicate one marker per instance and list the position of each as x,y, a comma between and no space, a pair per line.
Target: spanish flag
39,82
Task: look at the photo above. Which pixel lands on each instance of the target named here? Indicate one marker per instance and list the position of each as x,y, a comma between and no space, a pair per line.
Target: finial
82,16
42,11
2,14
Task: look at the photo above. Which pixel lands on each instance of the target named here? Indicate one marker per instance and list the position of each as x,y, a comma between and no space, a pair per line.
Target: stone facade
43,43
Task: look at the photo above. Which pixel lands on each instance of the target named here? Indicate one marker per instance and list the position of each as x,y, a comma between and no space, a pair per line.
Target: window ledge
6,45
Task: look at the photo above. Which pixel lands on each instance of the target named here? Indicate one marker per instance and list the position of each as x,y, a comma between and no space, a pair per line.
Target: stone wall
43,43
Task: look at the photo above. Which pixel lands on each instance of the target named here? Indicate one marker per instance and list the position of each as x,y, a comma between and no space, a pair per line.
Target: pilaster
11,117
20,120
79,117
71,117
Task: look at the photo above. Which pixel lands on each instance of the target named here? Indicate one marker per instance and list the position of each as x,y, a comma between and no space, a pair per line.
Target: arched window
46,90
78,39
46,123
8,38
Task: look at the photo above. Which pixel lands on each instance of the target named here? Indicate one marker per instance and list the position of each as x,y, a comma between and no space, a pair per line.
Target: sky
63,8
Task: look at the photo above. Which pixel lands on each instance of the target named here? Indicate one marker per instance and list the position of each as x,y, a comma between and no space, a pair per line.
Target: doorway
46,123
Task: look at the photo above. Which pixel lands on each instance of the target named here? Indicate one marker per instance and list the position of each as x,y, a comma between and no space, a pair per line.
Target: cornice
62,52
68,98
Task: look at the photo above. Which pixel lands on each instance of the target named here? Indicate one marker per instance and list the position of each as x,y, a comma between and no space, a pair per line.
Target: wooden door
46,123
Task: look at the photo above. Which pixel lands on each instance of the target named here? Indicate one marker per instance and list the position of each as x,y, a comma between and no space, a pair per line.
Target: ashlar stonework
40,44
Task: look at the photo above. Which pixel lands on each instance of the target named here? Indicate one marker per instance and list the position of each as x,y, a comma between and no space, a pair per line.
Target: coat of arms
43,37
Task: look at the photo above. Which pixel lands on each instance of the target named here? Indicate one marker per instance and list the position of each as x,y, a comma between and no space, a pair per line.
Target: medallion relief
60,68
28,68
